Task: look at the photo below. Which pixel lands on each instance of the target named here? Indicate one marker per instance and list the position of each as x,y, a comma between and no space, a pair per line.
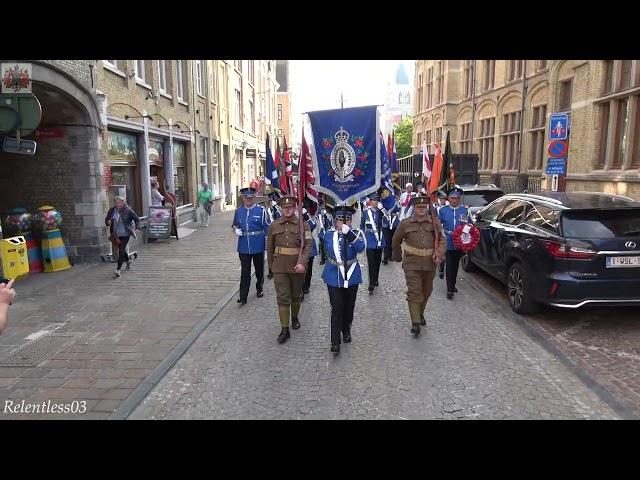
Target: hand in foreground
345,229
299,268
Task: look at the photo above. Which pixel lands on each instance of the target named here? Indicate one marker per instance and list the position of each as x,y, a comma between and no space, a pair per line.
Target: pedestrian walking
371,224
123,223
424,248
390,222
250,223
342,273
312,222
283,248
205,202
441,201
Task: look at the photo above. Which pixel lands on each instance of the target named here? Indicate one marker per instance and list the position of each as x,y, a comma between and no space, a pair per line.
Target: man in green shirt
205,200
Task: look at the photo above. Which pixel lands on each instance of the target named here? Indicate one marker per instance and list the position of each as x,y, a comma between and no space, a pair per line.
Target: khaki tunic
419,270
282,255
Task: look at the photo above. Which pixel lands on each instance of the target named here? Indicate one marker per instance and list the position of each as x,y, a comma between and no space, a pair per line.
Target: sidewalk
114,331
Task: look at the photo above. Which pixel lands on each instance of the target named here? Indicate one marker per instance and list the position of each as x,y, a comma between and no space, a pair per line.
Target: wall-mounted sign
16,78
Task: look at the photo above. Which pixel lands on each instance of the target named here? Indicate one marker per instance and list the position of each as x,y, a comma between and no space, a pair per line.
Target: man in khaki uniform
420,257
283,243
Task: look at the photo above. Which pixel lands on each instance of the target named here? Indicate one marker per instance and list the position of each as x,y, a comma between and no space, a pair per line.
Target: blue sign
556,166
558,126
346,151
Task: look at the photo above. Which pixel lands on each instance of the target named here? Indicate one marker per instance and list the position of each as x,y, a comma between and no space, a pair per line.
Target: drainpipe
524,96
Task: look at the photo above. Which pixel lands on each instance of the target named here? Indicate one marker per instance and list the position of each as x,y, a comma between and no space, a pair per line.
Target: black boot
335,348
305,290
455,290
415,329
260,294
346,337
241,301
371,287
450,295
423,321
270,274
441,274
295,323
284,335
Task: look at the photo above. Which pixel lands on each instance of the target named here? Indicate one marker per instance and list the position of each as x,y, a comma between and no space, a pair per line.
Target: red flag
426,165
389,147
280,167
309,178
438,165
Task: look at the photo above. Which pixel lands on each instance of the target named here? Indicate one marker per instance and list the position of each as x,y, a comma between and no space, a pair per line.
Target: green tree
404,134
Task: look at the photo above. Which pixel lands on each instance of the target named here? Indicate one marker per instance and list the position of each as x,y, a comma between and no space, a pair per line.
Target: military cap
456,192
288,201
374,196
344,212
422,200
248,192
441,193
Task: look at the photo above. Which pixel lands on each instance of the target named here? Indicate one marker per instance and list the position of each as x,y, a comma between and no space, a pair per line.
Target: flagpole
300,198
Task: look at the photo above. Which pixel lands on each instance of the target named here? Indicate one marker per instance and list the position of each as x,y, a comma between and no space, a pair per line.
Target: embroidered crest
343,157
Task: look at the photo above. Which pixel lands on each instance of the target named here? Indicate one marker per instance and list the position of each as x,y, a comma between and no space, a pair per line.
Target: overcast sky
317,84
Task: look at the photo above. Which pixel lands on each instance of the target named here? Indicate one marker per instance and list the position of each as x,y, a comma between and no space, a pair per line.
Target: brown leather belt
421,252
286,251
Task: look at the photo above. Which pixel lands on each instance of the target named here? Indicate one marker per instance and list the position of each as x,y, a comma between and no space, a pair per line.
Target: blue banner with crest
345,148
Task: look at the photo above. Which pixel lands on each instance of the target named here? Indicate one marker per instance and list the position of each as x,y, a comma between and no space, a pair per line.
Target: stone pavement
119,329
470,362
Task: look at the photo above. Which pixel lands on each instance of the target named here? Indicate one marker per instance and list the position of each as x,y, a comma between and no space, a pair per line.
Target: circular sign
19,111
558,149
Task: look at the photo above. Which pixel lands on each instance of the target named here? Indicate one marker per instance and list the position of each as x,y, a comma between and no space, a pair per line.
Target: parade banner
345,148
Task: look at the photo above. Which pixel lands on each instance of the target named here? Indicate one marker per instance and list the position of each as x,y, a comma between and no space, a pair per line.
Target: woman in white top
156,196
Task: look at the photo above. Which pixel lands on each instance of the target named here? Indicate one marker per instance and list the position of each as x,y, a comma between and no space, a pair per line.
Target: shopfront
123,160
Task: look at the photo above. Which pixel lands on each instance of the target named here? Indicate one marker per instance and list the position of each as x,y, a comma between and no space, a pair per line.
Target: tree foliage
404,133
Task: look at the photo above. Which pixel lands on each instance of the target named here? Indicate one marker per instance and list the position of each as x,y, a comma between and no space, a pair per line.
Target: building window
489,74
510,140
212,78
565,95
199,88
238,106
515,69
141,74
465,138
538,120
162,76
279,131
180,172
238,65
279,111
419,140
468,78
111,63
252,113
635,163
123,162
429,87
621,139
427,137
626,74
252,73
541,64
180,74
608,76
486,138
420,93
438,138
202,157
216,169
440,83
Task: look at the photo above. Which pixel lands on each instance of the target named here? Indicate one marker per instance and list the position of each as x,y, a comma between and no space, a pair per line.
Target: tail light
563,250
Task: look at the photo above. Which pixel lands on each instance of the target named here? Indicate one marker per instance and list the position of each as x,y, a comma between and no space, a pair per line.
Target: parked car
476,197
561,249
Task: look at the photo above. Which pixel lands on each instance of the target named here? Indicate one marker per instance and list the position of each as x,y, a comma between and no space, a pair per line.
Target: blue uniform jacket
394,215
313,223
370,227
451,218
325,223
254,223
334,275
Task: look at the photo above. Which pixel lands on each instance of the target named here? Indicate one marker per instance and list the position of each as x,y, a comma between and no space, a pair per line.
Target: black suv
561,249
476,197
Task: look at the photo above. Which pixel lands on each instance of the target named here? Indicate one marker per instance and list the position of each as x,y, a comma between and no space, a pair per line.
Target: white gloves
423,190
273,203
238,232
345,229
304,211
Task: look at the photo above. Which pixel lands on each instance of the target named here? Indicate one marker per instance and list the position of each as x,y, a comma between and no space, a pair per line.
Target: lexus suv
561,249
476,197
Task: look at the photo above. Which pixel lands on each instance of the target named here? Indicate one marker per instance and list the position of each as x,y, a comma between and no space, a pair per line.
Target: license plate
623,262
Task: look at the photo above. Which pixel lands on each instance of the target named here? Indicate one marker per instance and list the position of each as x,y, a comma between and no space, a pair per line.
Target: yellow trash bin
14,257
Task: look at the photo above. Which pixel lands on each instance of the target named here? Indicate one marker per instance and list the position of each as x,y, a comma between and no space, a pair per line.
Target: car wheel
467,263
518,290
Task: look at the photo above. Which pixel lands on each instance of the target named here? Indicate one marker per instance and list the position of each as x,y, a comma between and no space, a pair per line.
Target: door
505,235
482,253
228,194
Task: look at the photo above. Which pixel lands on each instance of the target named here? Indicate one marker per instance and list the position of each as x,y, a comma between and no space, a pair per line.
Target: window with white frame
420,93
180,75
204,167
162,76
427,138
465,138
429,87
279,111
489,75
216,180
486,139
538,120
212,89
238,108
140,72
440,83
541,64
510,140
111,63
252,114
199,88
252,73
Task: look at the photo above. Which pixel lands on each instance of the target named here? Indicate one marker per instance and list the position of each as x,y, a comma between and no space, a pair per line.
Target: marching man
371,224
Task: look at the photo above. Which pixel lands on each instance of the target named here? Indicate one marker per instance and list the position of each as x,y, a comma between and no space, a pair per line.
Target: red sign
50,132
558,149
107,175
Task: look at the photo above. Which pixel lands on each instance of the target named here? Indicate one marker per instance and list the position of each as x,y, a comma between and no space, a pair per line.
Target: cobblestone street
470,362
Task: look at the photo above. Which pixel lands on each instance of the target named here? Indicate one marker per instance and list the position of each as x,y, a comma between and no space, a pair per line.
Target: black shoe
270,275
376,284
335,348
322,262
371,287
260,294
450,295
415,329
386,262
302,298
442,275
295,323
346,337
305,290
423,321
455,290
241,301
284,335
